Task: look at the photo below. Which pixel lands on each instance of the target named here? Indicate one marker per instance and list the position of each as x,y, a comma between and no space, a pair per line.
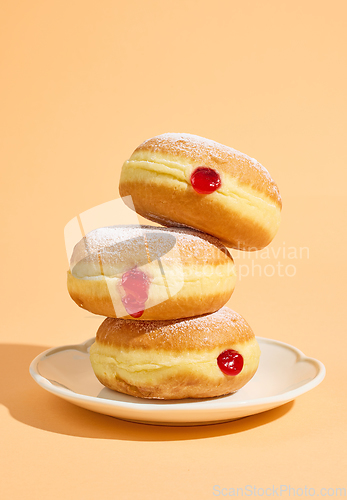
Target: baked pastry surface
173,359
244,212
189,273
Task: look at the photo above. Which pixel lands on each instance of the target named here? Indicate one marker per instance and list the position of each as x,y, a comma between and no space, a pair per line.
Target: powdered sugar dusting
115,244
200,330
207,322
109,242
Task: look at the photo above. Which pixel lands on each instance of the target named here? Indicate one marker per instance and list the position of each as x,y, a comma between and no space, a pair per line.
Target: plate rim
179,405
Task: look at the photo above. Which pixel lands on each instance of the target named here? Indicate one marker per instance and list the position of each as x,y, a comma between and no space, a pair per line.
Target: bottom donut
201,357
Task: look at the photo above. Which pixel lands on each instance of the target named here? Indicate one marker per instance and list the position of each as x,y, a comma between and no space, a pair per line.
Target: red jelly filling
205,180
230,362
135,284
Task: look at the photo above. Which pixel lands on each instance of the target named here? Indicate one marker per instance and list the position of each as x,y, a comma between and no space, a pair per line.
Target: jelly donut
198,357
183,179
150,273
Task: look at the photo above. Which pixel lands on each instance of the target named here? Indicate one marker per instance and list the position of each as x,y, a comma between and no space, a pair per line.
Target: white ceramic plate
283,374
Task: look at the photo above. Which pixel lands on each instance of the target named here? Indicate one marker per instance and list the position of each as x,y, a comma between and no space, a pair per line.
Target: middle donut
150,273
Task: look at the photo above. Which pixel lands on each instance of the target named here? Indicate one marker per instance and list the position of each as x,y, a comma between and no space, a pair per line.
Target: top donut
184,179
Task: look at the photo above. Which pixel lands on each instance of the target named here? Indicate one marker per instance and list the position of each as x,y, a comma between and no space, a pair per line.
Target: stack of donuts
168,333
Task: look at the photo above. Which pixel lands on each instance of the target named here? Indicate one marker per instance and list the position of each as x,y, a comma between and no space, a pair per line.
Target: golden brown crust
173,359
198,333
178,386
237,231
195,276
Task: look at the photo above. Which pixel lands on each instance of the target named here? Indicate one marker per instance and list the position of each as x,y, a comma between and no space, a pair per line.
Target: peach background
82,84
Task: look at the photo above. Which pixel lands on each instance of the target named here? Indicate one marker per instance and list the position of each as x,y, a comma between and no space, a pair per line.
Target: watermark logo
126,256
141,267
270,262
277,491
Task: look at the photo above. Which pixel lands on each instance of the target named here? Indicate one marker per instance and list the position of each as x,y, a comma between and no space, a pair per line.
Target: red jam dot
135,284
230,362
205,180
